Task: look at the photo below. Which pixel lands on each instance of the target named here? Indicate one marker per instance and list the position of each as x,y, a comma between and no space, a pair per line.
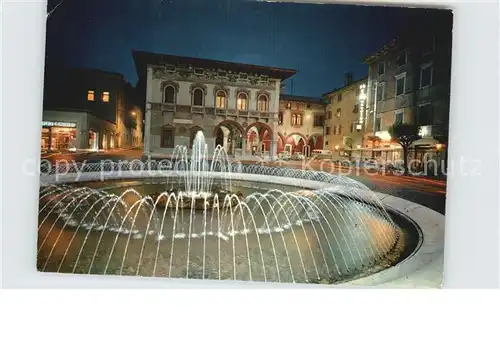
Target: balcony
168,107
198,109
395,103
220,111
434,92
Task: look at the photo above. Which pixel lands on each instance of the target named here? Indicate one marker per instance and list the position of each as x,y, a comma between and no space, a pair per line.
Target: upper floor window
327,130
198,97
339,112
169,94
380,92
425,114
262,103
355,109
381,68
280,118
288,105
376,127
330,99
308,106
319,120
220,99
339,97
401,59
296,119
426,76
91,95
242,102
399,117
105,96
400,84
329,113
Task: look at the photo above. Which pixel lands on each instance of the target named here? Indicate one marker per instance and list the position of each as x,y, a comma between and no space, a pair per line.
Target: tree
404,134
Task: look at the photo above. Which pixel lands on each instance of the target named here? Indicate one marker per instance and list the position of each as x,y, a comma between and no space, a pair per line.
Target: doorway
306,151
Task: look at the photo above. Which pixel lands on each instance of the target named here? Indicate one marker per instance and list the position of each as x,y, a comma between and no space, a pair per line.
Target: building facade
235,105
300,124
86,109
345,113
409,82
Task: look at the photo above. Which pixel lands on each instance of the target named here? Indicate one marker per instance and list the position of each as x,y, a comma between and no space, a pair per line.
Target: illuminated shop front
59,135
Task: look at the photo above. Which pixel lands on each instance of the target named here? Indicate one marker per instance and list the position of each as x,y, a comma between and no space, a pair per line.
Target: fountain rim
422,268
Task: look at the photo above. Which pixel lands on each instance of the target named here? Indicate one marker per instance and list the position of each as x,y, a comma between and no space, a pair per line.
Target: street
427,192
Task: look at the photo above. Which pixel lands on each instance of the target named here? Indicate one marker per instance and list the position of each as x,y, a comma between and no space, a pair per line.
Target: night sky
322,42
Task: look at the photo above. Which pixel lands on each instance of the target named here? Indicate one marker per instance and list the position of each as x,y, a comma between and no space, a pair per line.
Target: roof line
345,86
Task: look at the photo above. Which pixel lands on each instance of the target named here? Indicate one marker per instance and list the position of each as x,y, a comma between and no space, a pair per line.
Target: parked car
298,156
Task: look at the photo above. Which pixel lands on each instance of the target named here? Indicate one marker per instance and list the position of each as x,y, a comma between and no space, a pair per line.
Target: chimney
347,79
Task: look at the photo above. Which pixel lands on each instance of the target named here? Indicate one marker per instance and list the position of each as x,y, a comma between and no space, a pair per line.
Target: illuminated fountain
209,218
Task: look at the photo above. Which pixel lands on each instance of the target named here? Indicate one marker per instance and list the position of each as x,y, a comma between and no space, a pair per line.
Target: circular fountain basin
274,233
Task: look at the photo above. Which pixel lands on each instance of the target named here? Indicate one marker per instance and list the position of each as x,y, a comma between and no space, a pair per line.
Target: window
353,126
358,127
327,130
355,109
318,121
401,59
308,106
338,113
221,74
330,99
340,129
169,94
198,71
242,102
243,76
335,130
167,137
296,119
90,95
380,92
399,117
198,97
400,84
339,97
262,103
220,99
381,68
426,76
288,105
425,114
105,96
376,127
280,118
329,114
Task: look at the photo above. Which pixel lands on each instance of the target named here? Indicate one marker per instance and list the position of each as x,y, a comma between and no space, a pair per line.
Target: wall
336,136
292,134
185,122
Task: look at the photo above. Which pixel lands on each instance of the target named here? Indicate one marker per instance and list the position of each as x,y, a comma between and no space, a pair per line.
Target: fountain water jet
198,220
